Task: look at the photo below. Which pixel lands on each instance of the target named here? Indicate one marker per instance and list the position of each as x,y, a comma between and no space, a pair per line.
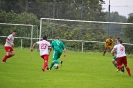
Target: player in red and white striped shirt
44,47
9,46
121,56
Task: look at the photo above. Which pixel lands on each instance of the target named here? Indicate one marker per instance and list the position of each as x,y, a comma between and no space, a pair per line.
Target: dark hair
44,37
120,41
14,31
118,38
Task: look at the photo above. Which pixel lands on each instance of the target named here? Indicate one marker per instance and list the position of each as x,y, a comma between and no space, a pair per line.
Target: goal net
81,35
26,34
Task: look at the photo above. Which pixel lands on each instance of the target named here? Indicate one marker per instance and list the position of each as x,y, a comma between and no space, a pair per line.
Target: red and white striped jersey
43,47
11,39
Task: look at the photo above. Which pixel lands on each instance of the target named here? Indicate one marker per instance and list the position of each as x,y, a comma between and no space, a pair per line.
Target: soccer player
121,56
9,46
44,47
58,47
109,44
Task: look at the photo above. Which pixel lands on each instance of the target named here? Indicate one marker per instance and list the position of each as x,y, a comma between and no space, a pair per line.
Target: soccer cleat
122,69
117,70
61,62
3,61
43,69
48,68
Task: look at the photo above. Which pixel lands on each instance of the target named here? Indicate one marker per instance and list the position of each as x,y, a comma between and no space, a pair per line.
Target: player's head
44,37
14,32
119,41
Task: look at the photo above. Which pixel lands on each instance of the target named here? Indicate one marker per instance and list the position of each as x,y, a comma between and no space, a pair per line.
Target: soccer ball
56,66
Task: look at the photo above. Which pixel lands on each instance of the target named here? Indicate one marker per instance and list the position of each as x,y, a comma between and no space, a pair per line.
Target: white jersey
11,39
43,47
120,49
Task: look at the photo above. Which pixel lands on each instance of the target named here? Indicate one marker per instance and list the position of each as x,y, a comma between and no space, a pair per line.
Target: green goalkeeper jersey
58,45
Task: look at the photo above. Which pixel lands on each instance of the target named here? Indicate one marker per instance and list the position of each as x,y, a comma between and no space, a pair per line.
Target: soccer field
79,70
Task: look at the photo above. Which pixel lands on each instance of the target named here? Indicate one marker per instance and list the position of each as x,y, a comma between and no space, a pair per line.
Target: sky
123,7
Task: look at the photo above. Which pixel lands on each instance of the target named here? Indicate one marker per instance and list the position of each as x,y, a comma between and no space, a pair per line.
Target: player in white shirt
44,47
9,46
121,56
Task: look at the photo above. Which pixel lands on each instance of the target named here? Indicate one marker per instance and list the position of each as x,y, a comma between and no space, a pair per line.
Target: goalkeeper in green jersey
58,47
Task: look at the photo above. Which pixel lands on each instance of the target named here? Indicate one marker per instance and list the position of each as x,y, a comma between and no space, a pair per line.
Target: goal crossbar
16,24
84,21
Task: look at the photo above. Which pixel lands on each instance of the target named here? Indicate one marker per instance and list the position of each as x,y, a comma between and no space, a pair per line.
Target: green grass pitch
79,70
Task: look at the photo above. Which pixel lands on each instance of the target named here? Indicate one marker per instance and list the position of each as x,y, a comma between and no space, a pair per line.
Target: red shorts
45,57
8,49
121,60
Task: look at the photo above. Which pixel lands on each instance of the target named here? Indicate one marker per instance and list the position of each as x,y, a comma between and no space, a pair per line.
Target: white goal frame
78,21
81,21
29,25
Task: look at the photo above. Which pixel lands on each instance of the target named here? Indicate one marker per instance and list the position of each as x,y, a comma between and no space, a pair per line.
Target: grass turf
80,70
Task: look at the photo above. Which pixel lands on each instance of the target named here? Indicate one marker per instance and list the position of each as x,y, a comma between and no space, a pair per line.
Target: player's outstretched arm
112,51
33,46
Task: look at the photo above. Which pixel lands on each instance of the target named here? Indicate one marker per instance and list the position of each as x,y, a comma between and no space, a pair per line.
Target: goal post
82,31
24,25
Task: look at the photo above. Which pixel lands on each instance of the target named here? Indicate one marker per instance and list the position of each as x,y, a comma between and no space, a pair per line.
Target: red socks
9,56
5,57
45,64
128,70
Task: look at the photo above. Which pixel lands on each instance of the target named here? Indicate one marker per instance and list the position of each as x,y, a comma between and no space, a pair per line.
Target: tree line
30,12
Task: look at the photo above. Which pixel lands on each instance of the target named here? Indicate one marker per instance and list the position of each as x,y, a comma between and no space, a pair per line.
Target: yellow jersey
109,43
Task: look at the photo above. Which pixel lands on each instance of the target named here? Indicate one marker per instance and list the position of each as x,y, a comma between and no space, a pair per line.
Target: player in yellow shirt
109,44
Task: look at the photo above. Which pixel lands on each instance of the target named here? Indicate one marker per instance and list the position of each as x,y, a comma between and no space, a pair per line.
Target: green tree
12,17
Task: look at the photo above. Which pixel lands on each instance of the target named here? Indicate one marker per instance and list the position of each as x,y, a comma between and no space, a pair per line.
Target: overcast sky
123,7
